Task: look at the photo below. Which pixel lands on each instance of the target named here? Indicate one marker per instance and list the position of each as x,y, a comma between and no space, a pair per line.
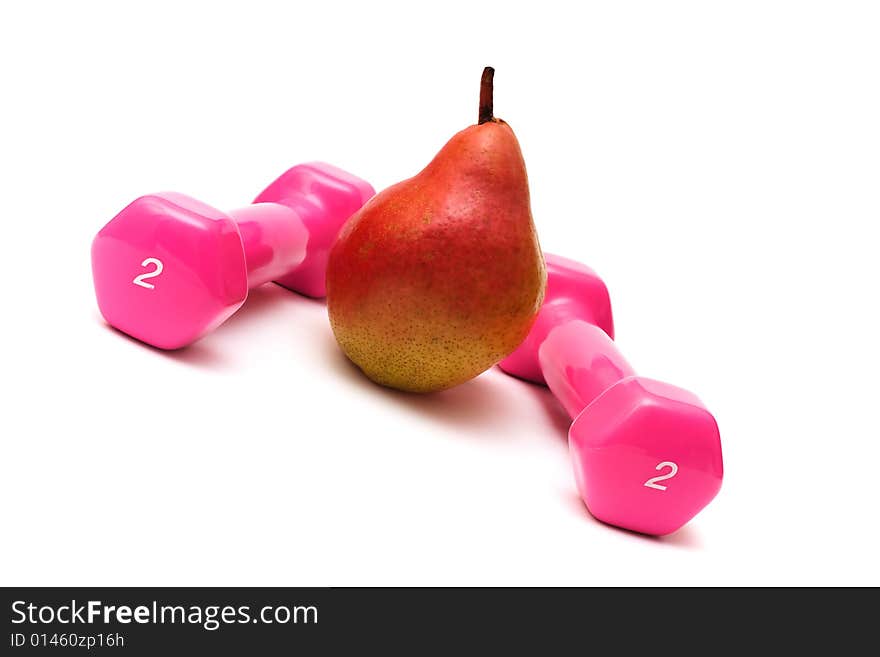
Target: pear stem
486,88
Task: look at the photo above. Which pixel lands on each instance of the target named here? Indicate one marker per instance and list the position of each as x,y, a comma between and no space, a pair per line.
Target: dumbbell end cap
646,456
168,269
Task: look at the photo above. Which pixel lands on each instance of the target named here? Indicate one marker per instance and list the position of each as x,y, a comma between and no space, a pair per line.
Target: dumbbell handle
274,238
580,362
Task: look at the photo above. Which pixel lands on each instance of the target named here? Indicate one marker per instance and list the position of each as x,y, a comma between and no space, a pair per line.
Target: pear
440,276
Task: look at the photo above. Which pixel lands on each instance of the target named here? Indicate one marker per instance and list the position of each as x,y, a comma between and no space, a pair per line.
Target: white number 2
652,482
139,280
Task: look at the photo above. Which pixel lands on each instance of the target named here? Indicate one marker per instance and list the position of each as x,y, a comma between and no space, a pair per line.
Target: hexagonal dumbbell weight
168,268
647,455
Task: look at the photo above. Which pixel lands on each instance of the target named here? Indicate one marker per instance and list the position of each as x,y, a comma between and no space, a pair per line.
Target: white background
717,163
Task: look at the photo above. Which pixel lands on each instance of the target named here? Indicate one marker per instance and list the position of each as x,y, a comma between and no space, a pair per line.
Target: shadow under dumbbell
685,538
197,354
555,412
262,301
203,353
217,349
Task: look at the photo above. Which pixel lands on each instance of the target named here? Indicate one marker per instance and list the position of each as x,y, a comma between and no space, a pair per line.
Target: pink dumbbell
168,268
647,455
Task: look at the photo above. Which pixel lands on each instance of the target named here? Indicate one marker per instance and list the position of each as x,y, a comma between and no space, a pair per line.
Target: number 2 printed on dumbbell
140,279
646,454
168,268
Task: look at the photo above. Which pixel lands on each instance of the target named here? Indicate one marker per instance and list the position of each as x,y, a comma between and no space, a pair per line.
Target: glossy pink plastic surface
646,454
574,291
324,197
168,268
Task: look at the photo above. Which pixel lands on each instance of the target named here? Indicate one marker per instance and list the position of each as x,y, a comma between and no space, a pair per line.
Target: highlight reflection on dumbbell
647,455
168,268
